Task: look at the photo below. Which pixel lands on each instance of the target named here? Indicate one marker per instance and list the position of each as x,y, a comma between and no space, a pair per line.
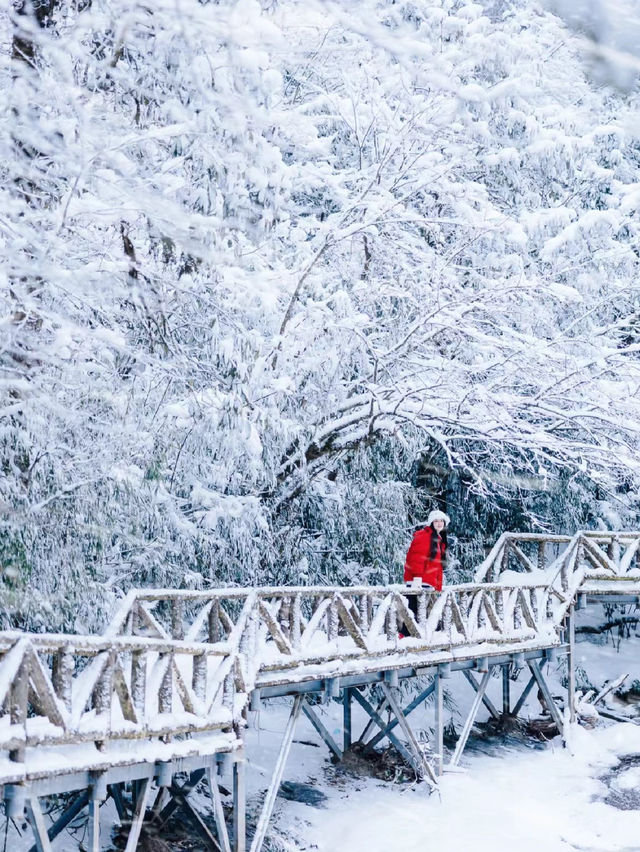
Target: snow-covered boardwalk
168,687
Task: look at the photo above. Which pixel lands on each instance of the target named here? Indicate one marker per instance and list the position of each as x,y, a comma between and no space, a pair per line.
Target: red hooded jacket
419,562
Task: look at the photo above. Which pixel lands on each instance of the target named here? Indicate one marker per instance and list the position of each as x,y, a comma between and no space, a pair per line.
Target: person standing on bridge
424,564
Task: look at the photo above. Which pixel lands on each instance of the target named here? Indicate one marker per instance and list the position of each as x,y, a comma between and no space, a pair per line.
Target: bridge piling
239,804
571,664
346,719
506,691
438,744
276,778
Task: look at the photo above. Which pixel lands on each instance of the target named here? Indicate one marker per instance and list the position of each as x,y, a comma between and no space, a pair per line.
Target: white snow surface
504,798
522,799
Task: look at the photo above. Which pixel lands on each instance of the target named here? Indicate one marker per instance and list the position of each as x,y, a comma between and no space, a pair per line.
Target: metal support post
391,677
14,801
144,792
571,665
346,718
331,689
94,823
36,820
218,811
439,724
98,793
239,805
466,730
274,786
506,691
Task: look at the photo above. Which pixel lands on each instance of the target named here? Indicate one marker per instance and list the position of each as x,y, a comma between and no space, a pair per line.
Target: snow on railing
603,555
294,627
59,689
524,552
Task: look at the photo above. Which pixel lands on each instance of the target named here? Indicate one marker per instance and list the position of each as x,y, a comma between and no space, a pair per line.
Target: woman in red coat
425,558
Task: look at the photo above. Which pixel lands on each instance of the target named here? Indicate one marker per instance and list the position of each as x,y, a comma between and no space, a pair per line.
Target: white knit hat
437,515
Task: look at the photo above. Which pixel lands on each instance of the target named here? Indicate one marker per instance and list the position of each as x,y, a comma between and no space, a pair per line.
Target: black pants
412,601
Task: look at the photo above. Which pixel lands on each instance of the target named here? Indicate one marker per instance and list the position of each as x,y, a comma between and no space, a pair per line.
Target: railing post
504,562
447,617
165,693
18,706
542,548
128,628
177,618
517,613
392,623
364,613
199,676
549,609
499,599
62,675
228,691
102,695
214,622
139,681
422,612
332,622
615,551
533,603
296,622
284,616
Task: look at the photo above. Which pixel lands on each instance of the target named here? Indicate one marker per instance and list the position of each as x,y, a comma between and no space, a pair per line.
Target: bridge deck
168,686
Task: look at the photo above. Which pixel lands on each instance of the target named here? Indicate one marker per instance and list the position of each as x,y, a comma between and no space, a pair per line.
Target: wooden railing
520,552
565,561
295,627
58,689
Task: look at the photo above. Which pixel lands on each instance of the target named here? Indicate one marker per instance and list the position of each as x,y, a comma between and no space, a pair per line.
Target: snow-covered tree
263,263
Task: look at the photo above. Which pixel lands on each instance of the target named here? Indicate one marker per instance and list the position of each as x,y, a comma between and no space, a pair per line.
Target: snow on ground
547,800
506,798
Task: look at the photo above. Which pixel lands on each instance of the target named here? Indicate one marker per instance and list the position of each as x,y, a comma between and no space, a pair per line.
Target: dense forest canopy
279,276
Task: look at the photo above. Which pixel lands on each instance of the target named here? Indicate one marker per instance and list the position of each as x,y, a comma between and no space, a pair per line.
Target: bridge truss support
131,790
571,663
276,778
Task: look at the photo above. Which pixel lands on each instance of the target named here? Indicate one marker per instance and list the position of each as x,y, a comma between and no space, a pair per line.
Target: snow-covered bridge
168,687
